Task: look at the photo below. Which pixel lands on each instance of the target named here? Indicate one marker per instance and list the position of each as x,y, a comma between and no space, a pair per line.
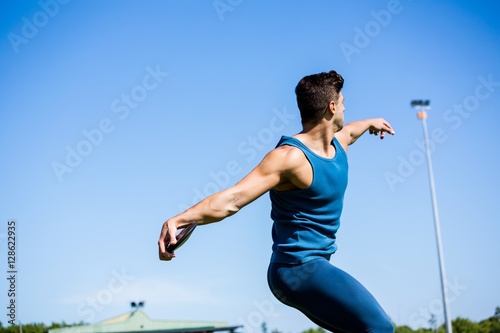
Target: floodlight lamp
420,102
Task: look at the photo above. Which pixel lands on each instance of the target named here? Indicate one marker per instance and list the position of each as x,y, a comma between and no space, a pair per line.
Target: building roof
138,322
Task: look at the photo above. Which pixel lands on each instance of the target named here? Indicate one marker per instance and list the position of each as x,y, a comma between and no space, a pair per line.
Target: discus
182,237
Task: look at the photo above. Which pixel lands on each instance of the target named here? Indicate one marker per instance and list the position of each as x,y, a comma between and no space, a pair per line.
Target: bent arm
354,130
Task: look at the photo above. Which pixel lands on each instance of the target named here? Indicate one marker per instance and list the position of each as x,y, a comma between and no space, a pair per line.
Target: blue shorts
330,297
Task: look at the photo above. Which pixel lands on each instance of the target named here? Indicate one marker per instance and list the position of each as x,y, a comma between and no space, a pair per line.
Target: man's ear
332,107
330,110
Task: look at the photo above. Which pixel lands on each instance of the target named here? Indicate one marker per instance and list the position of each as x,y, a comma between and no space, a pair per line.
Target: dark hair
315,92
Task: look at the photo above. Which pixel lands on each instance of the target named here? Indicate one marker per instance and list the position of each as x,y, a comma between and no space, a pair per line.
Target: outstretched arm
271,171
353,130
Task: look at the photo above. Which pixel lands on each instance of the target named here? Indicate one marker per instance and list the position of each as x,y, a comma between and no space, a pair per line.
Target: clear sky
117,115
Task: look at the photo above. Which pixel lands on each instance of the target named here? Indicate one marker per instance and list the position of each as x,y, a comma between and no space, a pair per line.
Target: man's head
316,93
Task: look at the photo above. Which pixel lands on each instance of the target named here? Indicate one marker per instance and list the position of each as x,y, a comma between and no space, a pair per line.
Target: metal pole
444,288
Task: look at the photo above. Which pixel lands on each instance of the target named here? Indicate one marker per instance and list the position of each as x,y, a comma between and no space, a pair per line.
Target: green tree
424,330
464,325
315,330
403,329
27,328
492,324
35,327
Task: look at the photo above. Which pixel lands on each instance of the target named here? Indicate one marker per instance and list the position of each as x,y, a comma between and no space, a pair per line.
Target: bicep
352,131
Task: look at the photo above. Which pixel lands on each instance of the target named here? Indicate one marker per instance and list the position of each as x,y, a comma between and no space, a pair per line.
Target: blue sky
117,115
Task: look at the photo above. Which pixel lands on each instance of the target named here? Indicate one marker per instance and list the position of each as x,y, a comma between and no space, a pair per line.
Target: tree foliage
35,327
459,325
315,330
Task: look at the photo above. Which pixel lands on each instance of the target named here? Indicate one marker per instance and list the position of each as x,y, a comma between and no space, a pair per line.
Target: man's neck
319,138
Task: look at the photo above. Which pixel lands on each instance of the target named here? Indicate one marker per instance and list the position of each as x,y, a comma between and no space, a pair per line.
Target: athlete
306,177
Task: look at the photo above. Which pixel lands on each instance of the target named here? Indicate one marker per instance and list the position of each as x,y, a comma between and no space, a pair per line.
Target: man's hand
381,126
167,236
353,130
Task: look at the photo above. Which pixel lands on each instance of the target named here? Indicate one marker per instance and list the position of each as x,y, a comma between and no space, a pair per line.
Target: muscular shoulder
295,171
289,157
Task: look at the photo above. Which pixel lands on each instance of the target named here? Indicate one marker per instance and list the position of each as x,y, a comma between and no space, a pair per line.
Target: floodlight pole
422,106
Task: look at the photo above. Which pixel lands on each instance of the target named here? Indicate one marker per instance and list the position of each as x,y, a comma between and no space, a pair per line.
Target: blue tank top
306,220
